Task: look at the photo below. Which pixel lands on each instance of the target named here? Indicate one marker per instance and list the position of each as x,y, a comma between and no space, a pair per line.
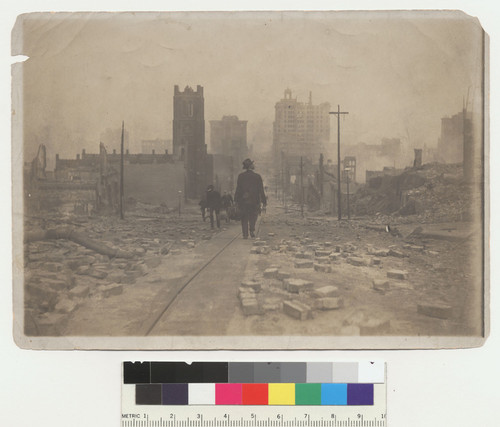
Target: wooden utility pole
347,177
283,177
121,173
301,189
321,174
339,193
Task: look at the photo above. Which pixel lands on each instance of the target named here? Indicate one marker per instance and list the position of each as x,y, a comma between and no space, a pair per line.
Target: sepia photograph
250,180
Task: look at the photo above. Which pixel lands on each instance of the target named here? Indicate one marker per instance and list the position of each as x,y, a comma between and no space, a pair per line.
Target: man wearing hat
249,196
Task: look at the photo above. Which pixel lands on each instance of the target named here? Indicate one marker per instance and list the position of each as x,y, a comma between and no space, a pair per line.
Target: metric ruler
261,394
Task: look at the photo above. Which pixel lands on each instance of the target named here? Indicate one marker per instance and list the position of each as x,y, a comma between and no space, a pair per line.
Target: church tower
189,138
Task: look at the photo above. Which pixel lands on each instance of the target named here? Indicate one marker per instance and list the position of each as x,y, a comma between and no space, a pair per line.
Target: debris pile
433,193
71,260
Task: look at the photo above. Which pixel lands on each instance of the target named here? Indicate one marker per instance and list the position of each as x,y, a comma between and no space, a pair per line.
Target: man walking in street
249,196
213,205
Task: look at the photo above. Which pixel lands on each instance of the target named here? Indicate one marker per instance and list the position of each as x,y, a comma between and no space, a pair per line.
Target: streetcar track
167,306
196,274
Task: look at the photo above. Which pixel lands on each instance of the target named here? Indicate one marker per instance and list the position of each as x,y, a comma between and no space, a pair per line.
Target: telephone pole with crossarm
339,194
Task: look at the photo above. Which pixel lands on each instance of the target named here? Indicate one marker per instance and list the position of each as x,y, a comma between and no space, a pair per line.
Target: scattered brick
323,260
327,244
282,275
83,270
115,277
323,268
298,285
271,304
441,311
65,306
356,261
110,290
271,273
376,261
381,285
300,255
334,257
320,253
246,295
325,291
80,291
329,303
97,274
396,254
259,243
338,249
303,264
251,284
397,274
349,248
297,310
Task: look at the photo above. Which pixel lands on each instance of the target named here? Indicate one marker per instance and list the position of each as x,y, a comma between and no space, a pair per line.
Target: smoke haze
396,74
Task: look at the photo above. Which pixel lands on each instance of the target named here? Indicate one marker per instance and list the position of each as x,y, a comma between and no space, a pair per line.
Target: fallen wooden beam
69,233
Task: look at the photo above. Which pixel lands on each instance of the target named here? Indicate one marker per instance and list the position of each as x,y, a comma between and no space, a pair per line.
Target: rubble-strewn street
301,276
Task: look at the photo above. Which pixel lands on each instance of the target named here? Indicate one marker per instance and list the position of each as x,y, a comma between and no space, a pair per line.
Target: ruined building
454,133
300,129
189,139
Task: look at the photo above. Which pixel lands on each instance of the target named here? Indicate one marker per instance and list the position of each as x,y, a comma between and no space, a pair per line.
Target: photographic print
250,180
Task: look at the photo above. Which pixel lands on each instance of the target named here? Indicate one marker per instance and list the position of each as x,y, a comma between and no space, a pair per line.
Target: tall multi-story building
229,137
300,129
189,139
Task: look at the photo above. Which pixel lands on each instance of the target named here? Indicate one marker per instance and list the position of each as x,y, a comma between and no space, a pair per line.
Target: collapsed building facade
89,183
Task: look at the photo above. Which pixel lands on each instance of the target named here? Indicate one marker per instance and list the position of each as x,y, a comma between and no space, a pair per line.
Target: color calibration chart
253,394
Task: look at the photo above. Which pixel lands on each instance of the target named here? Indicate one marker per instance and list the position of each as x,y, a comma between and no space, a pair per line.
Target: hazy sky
397,75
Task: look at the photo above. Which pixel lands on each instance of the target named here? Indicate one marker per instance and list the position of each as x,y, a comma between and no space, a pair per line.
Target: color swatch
244,383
